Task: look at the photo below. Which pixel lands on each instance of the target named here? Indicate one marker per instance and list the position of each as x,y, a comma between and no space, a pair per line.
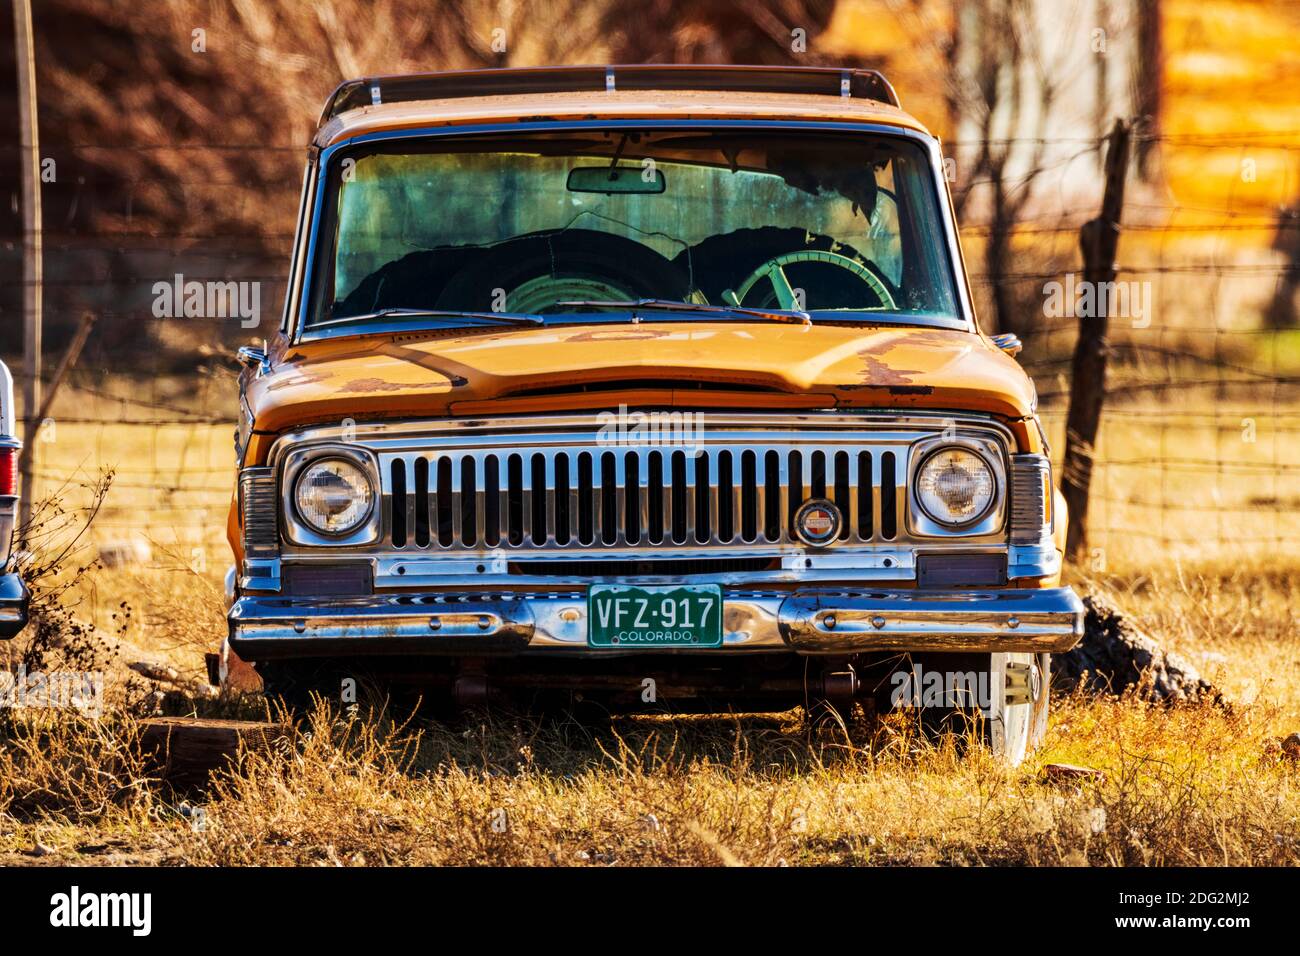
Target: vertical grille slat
420,490
634,509
587,506
550,491
865,496
397,504
410,516
773,497
562,500
537,493
816,474
723,491
750,497
455,474
610,504
654,491
784,511
514,516
811,473
888,497
465,489
841,491
443,502
619,520
568,524
737,497
480,498
493,521
852,514
681,505
795,494
706,502
689,504
877,471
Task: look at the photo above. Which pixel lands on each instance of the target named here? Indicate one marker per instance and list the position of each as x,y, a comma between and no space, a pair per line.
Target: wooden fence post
1098,240
30,160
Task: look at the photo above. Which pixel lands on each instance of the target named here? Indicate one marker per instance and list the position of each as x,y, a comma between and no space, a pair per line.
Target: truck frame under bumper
810,620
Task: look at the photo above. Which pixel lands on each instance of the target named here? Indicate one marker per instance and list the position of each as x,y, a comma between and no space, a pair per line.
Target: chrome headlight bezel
991,520
296,528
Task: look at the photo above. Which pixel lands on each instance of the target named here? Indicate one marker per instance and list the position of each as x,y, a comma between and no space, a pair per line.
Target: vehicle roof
392,104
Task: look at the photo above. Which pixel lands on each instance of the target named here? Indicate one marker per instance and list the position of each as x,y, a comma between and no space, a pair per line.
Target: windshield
844,227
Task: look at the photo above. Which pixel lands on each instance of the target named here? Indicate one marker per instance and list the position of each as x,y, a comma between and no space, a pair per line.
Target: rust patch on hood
879,370
618,335
378,385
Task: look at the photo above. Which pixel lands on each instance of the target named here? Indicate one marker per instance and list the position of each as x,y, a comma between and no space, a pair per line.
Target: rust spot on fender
380,385
298,379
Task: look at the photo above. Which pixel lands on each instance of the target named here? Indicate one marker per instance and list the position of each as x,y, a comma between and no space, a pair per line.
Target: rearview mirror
616,179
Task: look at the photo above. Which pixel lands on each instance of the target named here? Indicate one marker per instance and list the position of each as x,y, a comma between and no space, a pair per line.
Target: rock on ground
1114,655
125,553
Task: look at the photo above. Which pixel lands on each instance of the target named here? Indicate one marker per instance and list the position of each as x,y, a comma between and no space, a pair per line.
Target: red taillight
8,471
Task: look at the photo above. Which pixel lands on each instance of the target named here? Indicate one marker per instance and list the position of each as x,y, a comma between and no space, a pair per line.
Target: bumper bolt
435,623
299,627
484,622
877,622
829,621
1013,622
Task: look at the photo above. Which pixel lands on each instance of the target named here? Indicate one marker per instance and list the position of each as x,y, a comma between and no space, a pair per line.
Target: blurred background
174,135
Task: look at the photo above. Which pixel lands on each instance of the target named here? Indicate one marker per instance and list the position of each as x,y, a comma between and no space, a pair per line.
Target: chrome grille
598,497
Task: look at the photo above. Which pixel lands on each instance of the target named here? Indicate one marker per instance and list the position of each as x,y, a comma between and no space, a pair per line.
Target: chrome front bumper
806,620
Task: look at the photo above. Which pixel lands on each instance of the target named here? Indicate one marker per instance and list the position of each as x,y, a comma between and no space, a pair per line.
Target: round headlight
333,496
955,486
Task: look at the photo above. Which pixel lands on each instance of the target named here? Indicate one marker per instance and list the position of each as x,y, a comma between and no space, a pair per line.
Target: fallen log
184,751
1115,656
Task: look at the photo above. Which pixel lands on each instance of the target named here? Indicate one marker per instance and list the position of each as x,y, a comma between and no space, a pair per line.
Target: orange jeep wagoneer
647,386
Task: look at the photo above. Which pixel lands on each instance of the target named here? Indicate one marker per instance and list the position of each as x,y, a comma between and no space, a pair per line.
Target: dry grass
1186,787
1193,786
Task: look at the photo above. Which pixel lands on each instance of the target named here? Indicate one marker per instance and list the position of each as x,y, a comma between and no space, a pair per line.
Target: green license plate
682,615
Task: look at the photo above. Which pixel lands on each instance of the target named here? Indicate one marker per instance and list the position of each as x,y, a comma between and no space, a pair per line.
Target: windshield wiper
673,305
495,318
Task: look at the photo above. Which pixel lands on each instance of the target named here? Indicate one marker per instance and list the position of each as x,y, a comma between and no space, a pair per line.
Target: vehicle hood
730,364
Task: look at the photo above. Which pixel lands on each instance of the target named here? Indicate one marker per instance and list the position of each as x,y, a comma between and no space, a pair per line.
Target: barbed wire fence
1196,456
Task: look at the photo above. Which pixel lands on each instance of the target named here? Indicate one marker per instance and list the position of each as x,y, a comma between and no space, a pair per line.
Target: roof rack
823,81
